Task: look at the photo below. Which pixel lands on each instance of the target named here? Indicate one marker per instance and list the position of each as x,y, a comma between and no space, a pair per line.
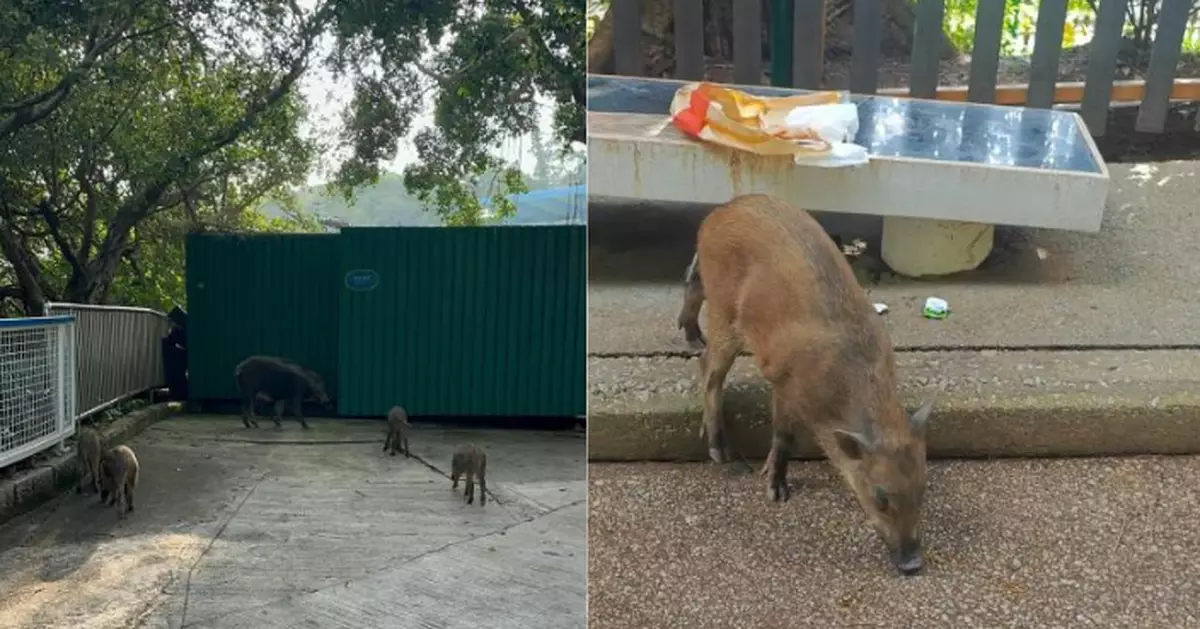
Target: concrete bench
942,174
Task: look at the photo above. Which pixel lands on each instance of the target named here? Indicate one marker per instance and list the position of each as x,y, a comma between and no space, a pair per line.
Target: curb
32,489
992,404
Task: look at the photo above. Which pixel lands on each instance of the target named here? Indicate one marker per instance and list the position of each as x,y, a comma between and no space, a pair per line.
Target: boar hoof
778,491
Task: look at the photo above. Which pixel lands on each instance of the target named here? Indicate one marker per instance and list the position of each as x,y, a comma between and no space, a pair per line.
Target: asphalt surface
1019,543
1133,283
259,528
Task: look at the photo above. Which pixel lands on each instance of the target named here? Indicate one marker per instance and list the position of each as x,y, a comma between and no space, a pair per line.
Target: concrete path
1134,283
264,528
1037,543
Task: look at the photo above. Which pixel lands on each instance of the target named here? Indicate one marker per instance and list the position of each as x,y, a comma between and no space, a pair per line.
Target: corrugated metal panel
274,294
484,321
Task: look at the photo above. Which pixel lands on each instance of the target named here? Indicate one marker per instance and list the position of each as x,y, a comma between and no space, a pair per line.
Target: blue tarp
553,206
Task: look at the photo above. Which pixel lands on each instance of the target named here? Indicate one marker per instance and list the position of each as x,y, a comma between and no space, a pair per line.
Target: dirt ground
238,527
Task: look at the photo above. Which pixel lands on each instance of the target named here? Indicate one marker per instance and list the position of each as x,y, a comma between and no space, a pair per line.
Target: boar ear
854,444
920,417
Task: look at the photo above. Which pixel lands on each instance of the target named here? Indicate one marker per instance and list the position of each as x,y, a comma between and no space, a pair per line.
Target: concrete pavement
1035,543
265,528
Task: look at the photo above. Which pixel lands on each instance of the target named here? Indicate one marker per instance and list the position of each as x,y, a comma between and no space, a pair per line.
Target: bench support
917,247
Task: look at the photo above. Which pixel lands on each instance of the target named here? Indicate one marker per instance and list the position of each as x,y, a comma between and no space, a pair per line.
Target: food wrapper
813,128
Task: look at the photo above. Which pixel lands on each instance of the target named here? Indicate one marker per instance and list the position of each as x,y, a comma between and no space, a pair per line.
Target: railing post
61,333
783,13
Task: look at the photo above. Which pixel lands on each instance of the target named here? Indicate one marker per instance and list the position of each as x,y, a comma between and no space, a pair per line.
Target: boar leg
121,501
469,490
248,412
776,467
96,484
278,416
719,353
407,454
454,477
298,409
387,441
689,314
482,485
129,496
781,445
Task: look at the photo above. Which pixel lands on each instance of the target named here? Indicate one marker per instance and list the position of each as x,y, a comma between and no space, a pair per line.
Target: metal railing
798,52
37,385
118,353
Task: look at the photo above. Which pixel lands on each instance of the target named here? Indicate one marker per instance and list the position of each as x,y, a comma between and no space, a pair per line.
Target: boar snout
909,559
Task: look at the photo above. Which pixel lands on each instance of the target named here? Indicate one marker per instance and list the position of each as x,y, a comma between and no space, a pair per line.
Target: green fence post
782,16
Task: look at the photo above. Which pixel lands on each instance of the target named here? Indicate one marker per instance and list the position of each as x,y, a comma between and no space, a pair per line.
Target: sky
327,98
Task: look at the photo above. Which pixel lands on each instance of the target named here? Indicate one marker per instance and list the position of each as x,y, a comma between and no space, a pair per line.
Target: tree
179,123
495,60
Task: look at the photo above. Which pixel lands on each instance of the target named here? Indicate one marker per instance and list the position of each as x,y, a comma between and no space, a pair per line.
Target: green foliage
499,57
176,126
1020,20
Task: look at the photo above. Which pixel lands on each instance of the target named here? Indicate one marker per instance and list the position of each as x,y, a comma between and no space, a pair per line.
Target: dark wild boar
89,447
472,462
119,477
275,379
775,283
397,432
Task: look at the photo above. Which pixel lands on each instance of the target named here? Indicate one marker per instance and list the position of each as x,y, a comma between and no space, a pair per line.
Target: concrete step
989,404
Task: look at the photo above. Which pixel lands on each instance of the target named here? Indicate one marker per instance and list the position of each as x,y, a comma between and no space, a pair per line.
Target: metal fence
37,385
800,35
118,353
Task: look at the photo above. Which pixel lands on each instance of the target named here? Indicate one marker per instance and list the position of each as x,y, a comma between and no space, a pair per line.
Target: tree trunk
25,268
658,35
91,285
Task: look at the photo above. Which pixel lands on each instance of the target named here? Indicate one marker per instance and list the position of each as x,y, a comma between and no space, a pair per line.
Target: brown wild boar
470,461
777,284
89,447
119,477
397,432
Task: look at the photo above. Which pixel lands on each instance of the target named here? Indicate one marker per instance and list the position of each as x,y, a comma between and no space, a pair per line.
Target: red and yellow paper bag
741,121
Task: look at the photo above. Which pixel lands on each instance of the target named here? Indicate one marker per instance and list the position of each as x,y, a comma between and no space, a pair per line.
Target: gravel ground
1022,543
